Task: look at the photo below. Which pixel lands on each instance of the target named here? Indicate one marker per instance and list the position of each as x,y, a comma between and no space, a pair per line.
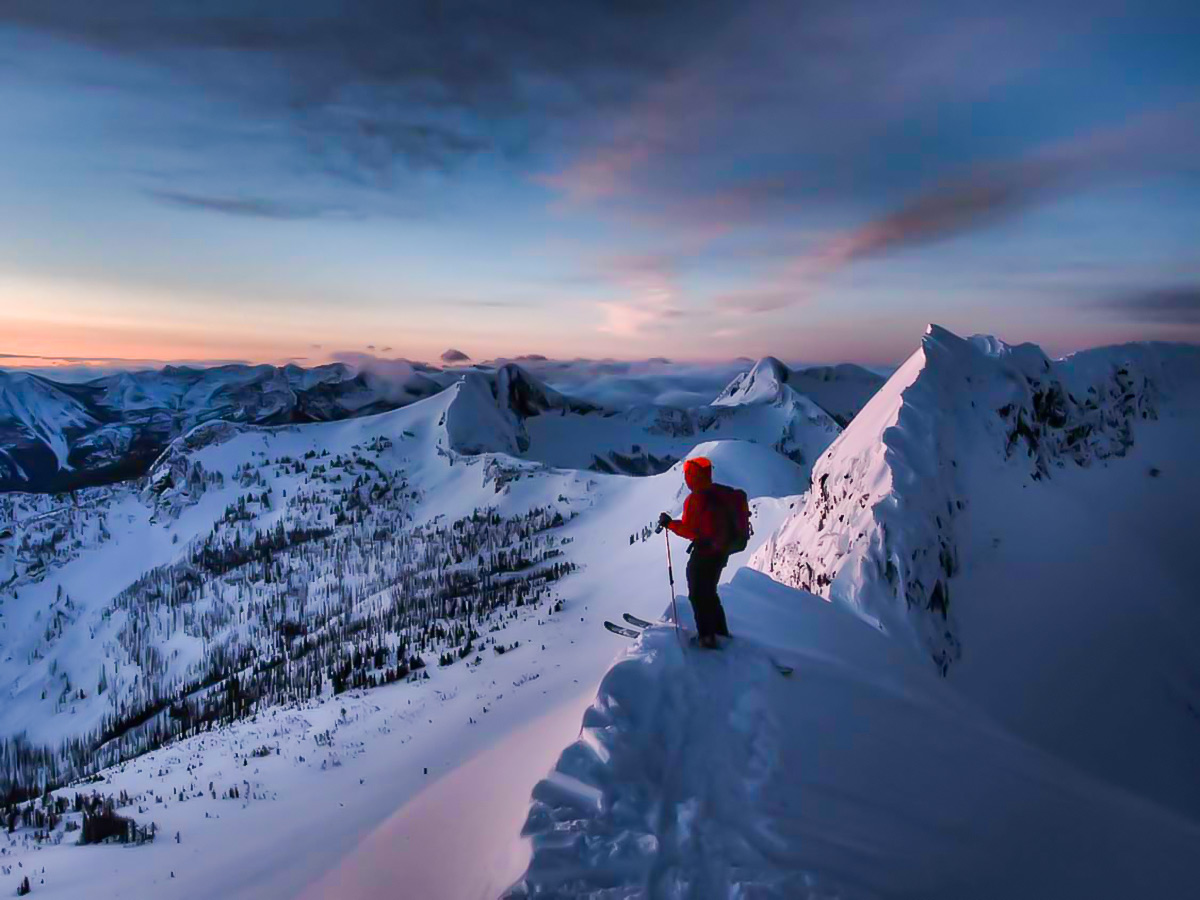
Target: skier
716,519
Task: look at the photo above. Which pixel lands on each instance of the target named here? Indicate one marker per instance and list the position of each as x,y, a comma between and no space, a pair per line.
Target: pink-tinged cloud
597,177
1149,145
653,295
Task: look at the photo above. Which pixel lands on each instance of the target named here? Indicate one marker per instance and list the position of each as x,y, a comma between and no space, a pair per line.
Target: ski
622,630
781,668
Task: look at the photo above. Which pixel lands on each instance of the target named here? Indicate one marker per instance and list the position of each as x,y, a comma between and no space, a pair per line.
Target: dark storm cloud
1179,305
371,81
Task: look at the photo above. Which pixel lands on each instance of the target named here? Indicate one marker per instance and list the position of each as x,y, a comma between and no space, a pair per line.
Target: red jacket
704,521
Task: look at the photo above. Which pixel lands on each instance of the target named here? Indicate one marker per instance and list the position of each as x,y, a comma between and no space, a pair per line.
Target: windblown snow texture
865,776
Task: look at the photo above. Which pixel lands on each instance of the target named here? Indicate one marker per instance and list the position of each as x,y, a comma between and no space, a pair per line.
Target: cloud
987,194
454,356
807,92
251,207
632,319
367,85
617,385
139,362
81,369
763,299
651,284
1178,305
397,379
491,304
990,193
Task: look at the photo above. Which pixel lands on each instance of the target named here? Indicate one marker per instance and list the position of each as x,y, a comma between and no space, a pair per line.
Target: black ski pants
703,572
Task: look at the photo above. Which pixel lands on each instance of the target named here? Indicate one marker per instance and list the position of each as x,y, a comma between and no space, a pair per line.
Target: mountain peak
763,383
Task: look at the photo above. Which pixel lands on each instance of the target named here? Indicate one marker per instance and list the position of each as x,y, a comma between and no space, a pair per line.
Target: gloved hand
664,519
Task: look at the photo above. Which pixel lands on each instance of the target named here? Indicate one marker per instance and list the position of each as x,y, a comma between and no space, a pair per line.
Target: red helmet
697,473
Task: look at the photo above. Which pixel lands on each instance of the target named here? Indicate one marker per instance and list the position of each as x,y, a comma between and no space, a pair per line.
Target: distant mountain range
56,437
63,436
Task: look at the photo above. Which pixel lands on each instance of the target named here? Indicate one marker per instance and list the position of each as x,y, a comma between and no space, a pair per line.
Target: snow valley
326,633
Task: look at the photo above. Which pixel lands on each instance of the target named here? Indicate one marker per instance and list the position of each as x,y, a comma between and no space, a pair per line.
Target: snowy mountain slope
227,494
36,419
877,530
61,437
481,854
1001,511
221,499
384,736
709,775
1077,607
839,390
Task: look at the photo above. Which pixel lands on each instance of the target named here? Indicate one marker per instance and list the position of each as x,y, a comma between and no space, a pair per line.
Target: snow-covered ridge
710,775
877,532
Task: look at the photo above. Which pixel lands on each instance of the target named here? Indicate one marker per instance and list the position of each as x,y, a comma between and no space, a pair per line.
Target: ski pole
671,579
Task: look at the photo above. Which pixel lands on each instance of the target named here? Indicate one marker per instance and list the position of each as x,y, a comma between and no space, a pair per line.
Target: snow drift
863,775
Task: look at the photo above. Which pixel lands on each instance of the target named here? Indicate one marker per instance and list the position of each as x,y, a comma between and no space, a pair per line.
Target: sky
270,181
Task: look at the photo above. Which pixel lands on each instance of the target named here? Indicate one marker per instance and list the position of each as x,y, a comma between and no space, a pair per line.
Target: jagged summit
488,411
840,390
889,486
762,384
526,395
